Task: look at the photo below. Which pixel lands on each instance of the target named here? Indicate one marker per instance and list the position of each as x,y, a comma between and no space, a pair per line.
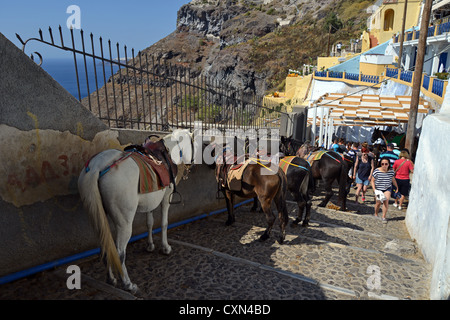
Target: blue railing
352,76
409,36
438,87
443,28
416,34
406,76
392,72
322,74
426,82
369,78
335,74
431,31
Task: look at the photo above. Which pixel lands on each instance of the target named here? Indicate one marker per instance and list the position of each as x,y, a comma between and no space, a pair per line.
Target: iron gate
144,92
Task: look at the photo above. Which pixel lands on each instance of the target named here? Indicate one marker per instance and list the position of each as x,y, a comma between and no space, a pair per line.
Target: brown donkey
258,180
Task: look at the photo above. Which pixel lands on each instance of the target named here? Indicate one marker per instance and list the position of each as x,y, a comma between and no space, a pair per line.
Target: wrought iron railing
139,91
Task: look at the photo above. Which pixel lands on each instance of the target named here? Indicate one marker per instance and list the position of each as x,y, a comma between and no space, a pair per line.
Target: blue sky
135,23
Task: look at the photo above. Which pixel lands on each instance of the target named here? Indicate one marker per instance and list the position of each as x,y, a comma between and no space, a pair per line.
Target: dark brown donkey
258,180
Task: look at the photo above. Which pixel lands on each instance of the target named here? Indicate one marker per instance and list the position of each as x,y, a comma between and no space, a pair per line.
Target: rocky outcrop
207,20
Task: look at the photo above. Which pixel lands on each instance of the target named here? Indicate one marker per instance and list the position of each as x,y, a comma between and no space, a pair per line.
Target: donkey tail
307,184
92,201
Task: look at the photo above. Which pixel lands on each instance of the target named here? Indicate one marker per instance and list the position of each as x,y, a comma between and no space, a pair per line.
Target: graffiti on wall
37,165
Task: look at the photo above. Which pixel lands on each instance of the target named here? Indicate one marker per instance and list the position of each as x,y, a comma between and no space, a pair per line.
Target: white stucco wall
428,215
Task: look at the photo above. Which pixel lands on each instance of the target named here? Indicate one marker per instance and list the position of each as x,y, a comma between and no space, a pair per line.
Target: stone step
364,231
327,262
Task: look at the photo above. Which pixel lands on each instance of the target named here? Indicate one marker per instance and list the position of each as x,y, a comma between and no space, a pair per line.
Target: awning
367,109
444,4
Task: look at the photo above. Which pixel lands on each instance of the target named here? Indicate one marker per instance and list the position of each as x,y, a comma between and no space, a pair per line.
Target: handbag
396,194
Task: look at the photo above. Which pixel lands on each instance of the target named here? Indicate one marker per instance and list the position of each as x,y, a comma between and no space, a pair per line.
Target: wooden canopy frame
367,109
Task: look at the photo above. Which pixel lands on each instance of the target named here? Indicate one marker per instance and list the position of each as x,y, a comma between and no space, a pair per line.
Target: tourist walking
363,170
402,168
389,154
382,181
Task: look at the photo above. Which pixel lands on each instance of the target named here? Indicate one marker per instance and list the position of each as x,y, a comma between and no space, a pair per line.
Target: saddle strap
293,164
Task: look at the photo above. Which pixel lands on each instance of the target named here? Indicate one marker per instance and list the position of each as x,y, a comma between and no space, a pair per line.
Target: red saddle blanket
152,176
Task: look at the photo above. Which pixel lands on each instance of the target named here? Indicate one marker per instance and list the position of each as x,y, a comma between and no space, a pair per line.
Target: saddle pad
285,162
234,176
315,156
149,180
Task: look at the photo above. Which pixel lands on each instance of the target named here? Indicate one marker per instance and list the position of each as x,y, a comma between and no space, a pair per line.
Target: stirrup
176,201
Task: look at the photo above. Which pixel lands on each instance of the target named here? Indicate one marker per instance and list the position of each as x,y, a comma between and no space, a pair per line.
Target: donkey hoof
305,224
132,288
111,281
322,205
229,222
264,237
166,250
151,248
296,222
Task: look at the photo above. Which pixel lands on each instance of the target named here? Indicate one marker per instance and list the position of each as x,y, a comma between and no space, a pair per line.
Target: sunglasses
385,164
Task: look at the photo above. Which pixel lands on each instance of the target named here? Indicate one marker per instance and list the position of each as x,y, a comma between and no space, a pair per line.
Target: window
389,20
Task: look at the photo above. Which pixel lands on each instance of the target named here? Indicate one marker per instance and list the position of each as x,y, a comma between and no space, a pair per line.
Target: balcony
430,86
433,31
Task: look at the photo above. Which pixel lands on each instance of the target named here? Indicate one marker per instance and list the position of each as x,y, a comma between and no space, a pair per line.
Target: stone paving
341,256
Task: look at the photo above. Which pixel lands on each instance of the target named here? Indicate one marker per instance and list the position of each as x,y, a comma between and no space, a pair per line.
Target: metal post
321,142
402,37
314,124
411,131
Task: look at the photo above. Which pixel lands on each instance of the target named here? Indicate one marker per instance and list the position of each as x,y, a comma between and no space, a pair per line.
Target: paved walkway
341,256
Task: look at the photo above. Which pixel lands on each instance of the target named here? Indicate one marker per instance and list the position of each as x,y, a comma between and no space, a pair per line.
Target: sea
64,72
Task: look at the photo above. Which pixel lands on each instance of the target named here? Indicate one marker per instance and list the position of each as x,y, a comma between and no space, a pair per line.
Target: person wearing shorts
382,181
363,169
403,167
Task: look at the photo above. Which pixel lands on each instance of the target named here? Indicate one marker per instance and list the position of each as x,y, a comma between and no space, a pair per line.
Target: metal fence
139,91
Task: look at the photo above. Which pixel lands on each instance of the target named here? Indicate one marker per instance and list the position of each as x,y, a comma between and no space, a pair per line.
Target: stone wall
428,215
46,137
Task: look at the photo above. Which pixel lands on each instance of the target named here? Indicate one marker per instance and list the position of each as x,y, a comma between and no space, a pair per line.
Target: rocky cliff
251,44
246,45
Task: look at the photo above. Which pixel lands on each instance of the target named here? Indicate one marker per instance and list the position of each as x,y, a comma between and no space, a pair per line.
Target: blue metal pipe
59,262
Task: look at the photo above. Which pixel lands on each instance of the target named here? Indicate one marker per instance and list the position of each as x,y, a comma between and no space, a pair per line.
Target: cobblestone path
340,256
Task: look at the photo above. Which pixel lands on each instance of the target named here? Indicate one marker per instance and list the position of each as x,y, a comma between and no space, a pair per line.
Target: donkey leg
166,248
229,198
111,279
308,204
123,237
255,204
266,207
301,208
151,245
284,219
297,198
328,193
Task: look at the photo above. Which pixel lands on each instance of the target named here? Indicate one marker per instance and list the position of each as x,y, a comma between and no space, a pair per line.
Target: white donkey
116,193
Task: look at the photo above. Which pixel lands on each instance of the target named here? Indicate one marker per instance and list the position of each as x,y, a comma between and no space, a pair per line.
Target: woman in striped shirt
382,181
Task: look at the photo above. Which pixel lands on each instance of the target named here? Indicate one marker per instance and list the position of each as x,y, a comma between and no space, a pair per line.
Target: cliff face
241,41
248,45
